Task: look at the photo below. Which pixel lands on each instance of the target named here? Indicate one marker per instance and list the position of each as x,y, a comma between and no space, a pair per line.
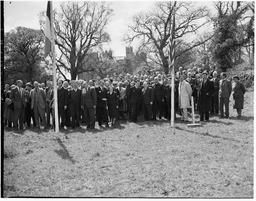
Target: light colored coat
122,93
185,92
42,98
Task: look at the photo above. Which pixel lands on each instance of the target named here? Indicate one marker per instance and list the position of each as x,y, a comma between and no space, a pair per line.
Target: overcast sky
25,13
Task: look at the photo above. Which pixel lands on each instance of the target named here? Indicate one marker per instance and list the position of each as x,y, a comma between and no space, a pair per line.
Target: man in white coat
185,92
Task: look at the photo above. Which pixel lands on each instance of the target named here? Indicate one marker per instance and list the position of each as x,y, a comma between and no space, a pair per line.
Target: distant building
129,63
129,53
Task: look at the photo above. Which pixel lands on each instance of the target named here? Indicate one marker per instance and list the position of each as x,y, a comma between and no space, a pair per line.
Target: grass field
147,159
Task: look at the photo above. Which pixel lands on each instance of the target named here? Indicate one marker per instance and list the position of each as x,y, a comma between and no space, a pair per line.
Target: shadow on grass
220,122
207,134
243,118
63,153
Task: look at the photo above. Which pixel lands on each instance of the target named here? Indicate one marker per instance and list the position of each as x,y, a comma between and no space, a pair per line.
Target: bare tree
80,27
153,28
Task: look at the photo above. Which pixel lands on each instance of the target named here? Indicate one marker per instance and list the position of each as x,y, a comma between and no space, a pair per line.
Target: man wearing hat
238,95
205,90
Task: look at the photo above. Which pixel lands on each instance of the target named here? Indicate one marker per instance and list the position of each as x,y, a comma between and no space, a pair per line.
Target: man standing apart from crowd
238,95
225,90
185,92
18,98
38,104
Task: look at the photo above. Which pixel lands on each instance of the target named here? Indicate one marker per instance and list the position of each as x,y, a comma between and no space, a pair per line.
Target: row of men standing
110,101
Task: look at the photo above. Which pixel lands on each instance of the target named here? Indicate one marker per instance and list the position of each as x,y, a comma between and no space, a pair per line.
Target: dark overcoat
238,95
204,95
112,101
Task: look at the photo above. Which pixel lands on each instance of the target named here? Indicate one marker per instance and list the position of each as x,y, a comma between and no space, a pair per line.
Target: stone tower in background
129,53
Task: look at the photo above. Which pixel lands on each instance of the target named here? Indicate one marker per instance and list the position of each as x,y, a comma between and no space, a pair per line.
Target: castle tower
129,52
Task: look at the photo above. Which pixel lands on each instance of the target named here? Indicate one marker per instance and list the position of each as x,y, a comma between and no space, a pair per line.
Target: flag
48,29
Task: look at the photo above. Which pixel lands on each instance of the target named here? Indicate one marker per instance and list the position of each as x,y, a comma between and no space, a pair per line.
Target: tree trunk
73,72
164,62
73,75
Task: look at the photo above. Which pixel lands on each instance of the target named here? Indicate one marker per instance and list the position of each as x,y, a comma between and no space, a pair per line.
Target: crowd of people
121,97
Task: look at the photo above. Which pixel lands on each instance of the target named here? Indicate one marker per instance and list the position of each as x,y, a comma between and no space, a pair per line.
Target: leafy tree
228,35
102,63
153,29
80,27
23,55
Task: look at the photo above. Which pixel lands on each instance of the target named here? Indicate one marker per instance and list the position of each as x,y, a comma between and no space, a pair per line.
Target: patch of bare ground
147,159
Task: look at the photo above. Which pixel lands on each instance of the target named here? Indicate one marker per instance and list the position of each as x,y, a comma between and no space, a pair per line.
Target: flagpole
54,74
172,67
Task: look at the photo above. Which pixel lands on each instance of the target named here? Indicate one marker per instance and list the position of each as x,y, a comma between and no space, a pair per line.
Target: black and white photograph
127,99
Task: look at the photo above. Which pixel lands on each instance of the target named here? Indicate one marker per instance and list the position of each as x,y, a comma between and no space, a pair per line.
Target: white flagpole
172,68
172,98
54,73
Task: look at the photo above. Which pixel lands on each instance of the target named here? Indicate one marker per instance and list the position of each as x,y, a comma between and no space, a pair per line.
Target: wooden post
193,114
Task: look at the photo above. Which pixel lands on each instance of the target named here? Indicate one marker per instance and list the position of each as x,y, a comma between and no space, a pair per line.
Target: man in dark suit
127,93
135,96
67,111
167,97
101,107
195,92
148,98
206,89
225,90
18,98
38,104
29,113
62,103
215,96
88,103
158,99
75,104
